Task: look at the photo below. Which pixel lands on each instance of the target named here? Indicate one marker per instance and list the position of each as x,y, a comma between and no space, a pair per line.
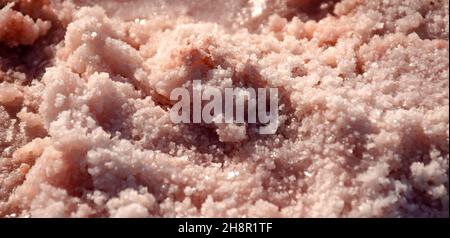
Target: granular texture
85,129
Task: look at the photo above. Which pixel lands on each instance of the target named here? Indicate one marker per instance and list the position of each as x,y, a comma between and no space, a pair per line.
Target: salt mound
85,128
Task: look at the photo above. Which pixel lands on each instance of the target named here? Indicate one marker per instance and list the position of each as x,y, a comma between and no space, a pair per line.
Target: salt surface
363,126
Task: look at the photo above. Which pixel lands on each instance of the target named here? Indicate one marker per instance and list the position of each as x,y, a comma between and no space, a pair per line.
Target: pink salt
364,117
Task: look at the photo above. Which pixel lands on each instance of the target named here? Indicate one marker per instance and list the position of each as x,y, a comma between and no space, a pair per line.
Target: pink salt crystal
10,96
18,29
